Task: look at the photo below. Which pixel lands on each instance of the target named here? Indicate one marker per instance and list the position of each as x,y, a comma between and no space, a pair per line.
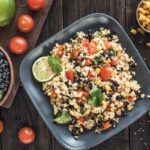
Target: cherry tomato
81,120
85,43
108,44
105,73
36,5
92,48
1,126
88,62
70,75
25,23
18,45
114,61
92,74
26,135
60,51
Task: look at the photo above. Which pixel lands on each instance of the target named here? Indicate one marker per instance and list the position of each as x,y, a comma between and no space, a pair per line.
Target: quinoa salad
93,82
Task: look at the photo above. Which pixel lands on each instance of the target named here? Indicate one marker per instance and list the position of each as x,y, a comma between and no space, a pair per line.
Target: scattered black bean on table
4,75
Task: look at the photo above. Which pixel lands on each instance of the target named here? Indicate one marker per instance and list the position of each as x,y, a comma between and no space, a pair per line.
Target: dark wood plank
22,112
139,131
75,9
11,30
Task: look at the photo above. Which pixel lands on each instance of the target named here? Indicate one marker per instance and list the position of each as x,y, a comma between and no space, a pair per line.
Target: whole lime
7,11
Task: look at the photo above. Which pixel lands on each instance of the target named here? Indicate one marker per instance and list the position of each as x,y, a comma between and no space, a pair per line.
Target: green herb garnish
55,64
96,97
1,95
64,118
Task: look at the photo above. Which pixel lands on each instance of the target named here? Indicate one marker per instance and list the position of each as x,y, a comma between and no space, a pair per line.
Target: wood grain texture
140,130
11,30
22,112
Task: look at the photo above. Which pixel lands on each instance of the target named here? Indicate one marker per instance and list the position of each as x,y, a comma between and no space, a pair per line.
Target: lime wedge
41,70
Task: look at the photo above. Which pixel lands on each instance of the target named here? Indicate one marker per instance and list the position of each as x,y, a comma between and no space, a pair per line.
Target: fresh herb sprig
55,64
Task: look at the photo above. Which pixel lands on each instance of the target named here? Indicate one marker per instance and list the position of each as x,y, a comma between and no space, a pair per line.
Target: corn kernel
49,93
97,70
108,88
114,73
98,82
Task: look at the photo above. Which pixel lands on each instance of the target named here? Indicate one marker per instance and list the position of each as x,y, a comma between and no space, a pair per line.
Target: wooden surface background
22,112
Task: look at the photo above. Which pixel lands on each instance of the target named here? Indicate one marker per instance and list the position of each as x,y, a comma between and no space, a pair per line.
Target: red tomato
53,94
70,75
92,48
1,126
18,45
36,5
88,62
106,125
92,74
131,98
74,54
81,120
85,43
26,135
60,51
85,94
114,61
25,23
105,73
79,60
108,44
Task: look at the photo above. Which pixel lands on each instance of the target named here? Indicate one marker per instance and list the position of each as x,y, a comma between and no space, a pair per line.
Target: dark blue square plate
41,102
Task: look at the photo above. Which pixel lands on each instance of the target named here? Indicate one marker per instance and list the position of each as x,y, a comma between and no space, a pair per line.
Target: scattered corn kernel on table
22,112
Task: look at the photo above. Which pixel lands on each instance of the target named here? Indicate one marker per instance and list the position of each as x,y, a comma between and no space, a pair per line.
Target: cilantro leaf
64,118
95,91
55,64
96,97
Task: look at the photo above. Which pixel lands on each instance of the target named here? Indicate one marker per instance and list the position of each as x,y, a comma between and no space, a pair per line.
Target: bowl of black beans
6,76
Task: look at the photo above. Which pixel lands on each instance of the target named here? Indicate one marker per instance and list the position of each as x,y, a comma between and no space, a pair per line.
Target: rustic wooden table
22,112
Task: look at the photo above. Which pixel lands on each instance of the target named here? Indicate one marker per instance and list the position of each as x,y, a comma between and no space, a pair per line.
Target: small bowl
137,16
11,77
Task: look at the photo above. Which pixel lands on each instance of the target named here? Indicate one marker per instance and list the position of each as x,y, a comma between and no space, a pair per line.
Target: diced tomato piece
131,98
60,51
108,44
114,61
79,60
74,54
108,108
53,94
92,74
92,48
106,73
106,125
85,43
85,94
81,120
88,62
70,75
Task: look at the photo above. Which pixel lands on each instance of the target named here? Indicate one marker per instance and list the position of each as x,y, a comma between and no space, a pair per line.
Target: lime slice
41,70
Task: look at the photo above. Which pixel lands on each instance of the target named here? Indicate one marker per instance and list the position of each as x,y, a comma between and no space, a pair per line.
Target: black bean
124,113
119,97
114,123
6,63
2,86
100,124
